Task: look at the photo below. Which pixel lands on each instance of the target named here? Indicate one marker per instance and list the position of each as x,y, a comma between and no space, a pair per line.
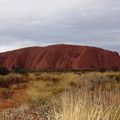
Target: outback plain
60,96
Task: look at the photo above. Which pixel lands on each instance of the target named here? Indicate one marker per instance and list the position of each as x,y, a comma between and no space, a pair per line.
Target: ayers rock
60,57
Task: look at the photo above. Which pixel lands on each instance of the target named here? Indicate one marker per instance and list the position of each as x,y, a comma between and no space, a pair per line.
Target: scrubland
60,96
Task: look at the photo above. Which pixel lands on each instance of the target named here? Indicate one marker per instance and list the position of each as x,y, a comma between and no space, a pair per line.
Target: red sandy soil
18,97
60,57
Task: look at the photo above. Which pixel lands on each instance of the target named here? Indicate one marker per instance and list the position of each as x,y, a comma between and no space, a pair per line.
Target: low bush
21,71
4,71
117,78
11,80
55,80
115,69
102,69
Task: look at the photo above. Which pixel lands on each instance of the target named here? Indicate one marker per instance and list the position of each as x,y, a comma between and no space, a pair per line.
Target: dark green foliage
4,71
117,78
21,71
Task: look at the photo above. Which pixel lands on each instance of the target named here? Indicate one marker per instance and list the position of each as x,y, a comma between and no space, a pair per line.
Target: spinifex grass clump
77,106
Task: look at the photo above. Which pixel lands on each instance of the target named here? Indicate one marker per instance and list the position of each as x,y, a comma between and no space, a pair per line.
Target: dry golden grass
11,82
77,107
45,84
97,96
80,96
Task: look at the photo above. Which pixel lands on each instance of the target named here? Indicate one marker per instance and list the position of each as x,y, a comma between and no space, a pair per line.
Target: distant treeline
4,70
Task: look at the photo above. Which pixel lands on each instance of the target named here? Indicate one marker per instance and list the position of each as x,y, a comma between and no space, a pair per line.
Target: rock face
60,57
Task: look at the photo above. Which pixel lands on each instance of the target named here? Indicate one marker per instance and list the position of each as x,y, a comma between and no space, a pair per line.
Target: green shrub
117,78
21,71
4,71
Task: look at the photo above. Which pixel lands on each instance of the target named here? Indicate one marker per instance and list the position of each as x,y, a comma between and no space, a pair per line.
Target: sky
25,23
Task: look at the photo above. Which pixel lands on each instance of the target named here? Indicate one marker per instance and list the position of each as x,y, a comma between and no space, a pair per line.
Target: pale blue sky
43,22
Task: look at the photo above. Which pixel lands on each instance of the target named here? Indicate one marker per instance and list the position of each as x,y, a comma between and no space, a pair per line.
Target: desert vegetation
4,71
60,96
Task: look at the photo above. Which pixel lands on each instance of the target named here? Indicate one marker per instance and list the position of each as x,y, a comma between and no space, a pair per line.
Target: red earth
18,97
60,57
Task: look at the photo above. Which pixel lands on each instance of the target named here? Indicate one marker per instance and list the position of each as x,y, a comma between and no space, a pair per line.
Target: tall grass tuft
77,107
